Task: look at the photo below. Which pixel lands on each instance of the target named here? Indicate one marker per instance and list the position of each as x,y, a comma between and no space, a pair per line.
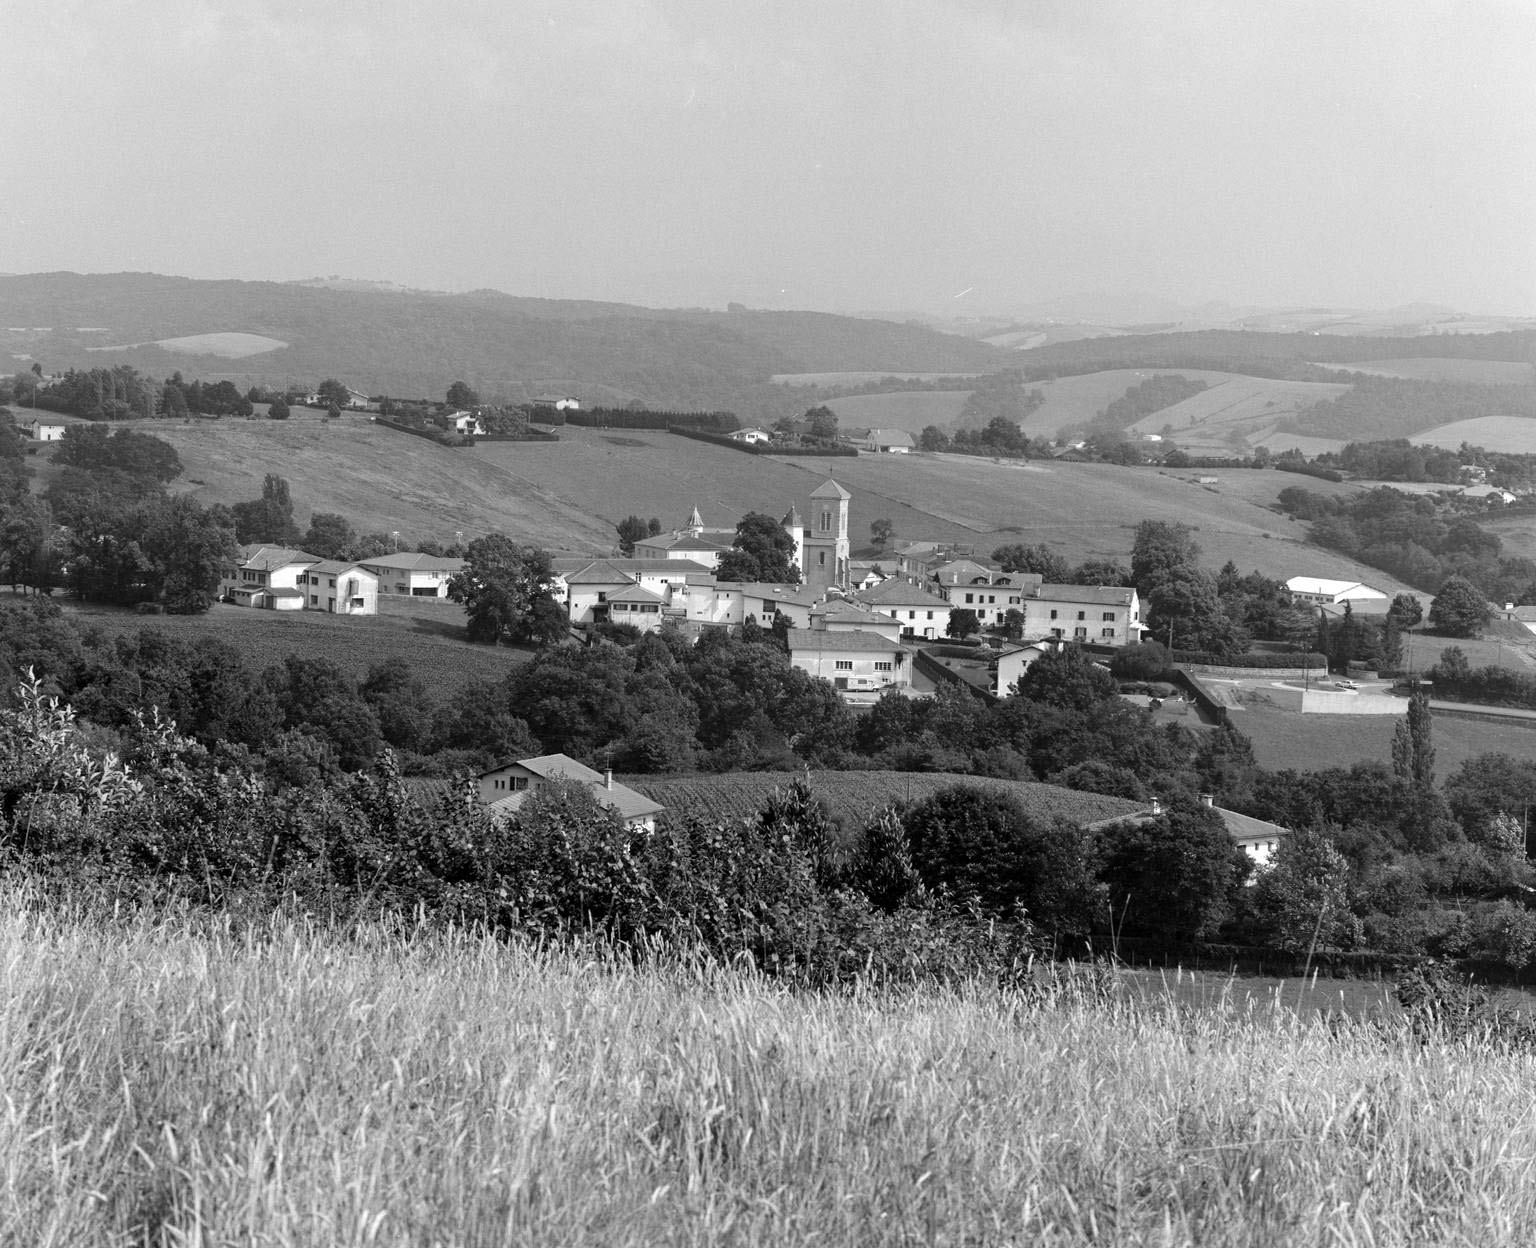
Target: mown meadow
172,1078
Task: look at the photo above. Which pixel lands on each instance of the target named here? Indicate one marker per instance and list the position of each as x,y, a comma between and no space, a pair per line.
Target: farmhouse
267,576
557,402
1325,593
1106,615
752,437
886,441
1258,839
1013,662
855,661
340,586
506,787
414,574
42,432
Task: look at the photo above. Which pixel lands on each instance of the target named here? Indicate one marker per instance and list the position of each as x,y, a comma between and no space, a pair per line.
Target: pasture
1289,739
427,635
1512,434
567,495
1073,401
1440,368
851,797
1235,414
911,410
181,1080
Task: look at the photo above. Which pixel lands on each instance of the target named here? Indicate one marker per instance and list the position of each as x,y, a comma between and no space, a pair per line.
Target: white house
692,540
1325,593
506,787
45,433
1013,662
752,437
465,422
1105,615
922,613
414,574
855,661
344,587
840,615
267,576
558,402
887,441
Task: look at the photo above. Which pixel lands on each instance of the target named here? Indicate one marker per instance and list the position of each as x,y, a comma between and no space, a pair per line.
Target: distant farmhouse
1325,593
504,788
279,579
413,574
43,432
557,402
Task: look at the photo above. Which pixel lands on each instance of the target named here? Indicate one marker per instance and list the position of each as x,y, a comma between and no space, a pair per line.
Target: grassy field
911,410
1309,742
1077,400
852,796
1513,434
1438,368
171,1086
429,636
566,495
1236,413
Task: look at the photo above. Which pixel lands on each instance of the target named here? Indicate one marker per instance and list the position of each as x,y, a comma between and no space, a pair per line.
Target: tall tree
1459,609
1039,559
762,551
329,535
188,547
503,586
268,518
1413,744
631,530
460,396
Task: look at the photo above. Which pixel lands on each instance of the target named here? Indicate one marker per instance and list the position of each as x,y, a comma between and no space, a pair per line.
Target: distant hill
413,344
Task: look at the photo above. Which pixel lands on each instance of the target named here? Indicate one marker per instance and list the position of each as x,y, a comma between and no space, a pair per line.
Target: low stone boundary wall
1256,673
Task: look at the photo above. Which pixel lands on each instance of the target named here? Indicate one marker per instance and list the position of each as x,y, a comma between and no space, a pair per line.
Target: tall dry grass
170,1081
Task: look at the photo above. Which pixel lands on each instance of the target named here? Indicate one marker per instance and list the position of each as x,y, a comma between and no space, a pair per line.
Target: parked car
1345,684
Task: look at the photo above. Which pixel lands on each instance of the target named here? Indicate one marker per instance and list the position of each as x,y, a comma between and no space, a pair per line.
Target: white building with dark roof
505,788
414,574
1105,615
267,576
340,586
860,664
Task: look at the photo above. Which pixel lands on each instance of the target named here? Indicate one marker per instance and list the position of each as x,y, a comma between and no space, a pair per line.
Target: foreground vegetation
175,1080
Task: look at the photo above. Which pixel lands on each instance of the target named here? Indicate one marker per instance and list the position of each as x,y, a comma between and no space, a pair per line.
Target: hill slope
412,344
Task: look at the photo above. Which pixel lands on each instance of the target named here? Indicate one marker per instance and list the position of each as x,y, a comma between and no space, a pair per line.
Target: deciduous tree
502,586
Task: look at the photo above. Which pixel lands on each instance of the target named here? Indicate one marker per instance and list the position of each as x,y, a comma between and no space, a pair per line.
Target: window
314,600
882,667
602,595
1080,634
843,665
518,783
930,615
333,582
1053,613
1109,617
1082,615
912,615
501,784
821,558
1108,632
826,520
970,598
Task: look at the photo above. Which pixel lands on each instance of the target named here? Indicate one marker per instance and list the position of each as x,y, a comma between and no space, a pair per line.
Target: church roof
831,489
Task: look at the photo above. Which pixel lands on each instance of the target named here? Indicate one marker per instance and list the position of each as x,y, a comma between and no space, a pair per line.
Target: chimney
608,777
1207,799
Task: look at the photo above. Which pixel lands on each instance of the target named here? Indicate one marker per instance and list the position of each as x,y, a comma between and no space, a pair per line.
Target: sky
961,157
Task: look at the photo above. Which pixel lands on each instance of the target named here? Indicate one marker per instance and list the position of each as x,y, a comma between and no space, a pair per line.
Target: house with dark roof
922,612
860,664
506,787
340,586
414,574
1257,838
1105,615
267,576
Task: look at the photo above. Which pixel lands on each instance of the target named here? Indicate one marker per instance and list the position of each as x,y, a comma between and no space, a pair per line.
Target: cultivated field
1233,415
852,796
1514,434
1435,368
429,636
177,1083
911,410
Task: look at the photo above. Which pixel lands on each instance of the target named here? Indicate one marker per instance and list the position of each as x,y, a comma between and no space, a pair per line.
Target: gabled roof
800,595
899,593
624,801
335,567
682,541
1318,585
808,639
889,437
963,572
600,572
830,489
636,593
259,558
846,612
1100,595
415,561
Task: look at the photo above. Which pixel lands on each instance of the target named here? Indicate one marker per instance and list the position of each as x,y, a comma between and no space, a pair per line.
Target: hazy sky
844,154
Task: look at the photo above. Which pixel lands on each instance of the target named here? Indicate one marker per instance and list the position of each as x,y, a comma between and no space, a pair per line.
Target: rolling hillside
1073,401
1514,434
567,495
1236,413
912,410
412,344
1439,368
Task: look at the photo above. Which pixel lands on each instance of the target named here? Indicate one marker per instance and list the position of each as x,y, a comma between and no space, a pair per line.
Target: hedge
625,418
1263,660
434,434
719,439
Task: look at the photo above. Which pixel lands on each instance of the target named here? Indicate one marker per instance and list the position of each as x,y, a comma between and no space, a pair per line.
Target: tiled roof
415,561
682,541
600,572
899,593
635,593
624,801
1100,595
809,639
335,567
800,595
830,489
258,558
